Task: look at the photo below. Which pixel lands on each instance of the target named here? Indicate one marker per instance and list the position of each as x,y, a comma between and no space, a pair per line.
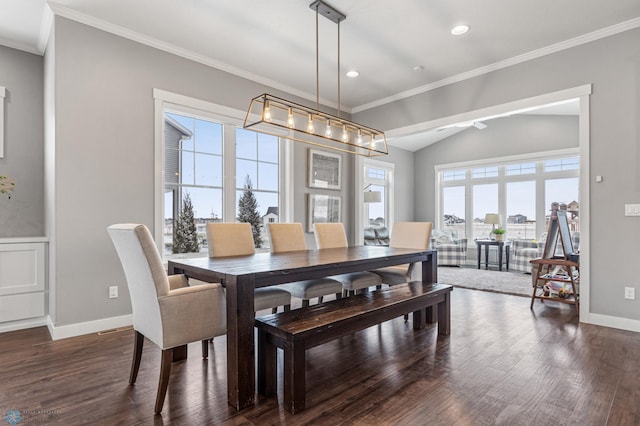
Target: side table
486,244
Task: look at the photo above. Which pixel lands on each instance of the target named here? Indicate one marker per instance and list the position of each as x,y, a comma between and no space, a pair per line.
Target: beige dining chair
288,237
166,309
236,239
333,235
409,235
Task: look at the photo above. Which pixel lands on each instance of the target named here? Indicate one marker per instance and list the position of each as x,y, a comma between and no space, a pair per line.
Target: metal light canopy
280,117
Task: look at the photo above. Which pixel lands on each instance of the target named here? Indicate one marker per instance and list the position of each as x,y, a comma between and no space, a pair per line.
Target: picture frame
325,170
323,209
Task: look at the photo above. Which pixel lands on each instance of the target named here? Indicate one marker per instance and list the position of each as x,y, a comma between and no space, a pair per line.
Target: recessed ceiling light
352,74
459,29
418,68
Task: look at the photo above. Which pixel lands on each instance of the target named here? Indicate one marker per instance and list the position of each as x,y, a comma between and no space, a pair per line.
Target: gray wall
404,203
21,74
502,138
104,147
99,173
612,66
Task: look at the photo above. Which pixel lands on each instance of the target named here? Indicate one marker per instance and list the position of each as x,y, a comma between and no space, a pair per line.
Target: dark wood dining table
242,274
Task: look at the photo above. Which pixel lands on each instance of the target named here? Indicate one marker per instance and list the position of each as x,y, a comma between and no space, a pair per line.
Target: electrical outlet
113,292
630,293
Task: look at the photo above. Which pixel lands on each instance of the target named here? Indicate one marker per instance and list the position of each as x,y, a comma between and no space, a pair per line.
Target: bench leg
444,315
419,320
267,365
294,380
432,314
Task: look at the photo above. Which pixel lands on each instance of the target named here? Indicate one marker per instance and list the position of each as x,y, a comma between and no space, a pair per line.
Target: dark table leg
430,269
240,344
500,257
479,248
486,257
508,249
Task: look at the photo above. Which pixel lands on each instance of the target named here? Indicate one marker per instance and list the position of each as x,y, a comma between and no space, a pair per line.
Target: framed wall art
325,169
323,209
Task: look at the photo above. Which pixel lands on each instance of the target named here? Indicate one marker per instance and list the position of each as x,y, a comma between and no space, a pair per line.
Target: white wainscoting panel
22,279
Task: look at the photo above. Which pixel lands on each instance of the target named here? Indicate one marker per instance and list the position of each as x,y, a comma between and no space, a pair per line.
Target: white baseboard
614,322
23,324
78,329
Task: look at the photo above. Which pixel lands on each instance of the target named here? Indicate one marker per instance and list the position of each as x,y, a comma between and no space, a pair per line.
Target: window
257,163
453,174
208,159
484,172
562,164
520,169
485,200
519,191
453,202
378,177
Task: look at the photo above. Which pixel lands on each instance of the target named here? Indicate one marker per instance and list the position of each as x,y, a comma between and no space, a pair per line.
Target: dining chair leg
287,308
205,349
274,310
165,371
138,343
320,299
305,303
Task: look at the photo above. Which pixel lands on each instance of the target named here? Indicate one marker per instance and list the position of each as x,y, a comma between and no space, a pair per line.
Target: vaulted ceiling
398,47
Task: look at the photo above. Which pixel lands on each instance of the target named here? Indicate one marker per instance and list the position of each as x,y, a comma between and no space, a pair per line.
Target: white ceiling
273,42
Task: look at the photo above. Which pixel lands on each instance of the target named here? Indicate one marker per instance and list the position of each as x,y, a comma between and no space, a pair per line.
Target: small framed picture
323,209
325,169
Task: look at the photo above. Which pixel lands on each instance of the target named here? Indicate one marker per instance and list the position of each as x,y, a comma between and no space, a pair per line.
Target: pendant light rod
317,61
286,119
338,68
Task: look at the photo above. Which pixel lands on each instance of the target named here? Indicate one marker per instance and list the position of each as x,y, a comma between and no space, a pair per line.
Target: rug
515,283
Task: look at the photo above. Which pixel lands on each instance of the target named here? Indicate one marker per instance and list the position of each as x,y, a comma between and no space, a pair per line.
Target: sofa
376,236
522,251
452,250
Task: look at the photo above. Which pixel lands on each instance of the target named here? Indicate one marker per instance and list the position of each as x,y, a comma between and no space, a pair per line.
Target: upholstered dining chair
236,239
333,235
286,237
166,310
410,235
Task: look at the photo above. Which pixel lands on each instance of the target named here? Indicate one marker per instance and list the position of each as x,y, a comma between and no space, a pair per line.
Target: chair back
145,274
287,237
330,235
411,235
230,239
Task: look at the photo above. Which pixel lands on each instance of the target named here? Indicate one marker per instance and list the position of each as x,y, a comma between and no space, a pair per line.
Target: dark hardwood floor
502,364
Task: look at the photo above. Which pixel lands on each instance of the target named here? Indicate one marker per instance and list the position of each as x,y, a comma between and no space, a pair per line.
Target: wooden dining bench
300,329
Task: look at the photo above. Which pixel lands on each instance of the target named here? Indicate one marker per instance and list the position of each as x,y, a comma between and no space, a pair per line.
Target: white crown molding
45,28
91,21
68,13
19,46
567,44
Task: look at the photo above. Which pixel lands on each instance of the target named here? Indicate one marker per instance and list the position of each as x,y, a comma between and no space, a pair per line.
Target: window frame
540,176
231,119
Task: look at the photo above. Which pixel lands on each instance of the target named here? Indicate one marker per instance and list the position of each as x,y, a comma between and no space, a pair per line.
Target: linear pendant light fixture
280,117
